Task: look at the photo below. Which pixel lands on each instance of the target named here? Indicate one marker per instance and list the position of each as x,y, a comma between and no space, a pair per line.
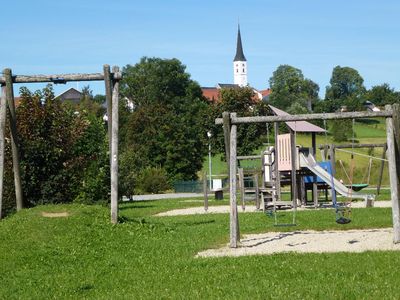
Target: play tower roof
299,126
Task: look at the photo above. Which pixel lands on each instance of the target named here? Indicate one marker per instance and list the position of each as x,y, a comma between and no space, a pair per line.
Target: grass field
145,257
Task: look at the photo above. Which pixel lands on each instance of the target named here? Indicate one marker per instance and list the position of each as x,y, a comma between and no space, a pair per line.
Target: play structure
111,81
279,163
286,163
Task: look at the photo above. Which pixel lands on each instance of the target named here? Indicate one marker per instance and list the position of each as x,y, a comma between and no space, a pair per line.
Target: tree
289,86
156,80
382,94
167,127
346,88
89,104
242,101
341,130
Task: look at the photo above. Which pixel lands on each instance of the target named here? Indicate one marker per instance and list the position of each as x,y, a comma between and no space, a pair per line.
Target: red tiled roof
211,94
266,92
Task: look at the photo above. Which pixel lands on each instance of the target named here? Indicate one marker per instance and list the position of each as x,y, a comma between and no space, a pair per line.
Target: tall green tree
288,86
382,94
243,102
167,128
346,88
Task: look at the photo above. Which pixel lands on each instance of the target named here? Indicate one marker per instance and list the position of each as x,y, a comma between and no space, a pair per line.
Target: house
71,95
370,106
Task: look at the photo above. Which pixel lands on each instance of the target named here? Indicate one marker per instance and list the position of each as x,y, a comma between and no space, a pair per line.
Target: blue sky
48,37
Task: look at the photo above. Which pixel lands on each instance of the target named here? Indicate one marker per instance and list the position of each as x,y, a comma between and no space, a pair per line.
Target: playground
74,251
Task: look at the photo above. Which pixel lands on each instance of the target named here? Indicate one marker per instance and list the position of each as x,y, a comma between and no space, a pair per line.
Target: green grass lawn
145,257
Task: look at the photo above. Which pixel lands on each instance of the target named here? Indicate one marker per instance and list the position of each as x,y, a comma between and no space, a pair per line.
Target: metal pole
210,163
209,159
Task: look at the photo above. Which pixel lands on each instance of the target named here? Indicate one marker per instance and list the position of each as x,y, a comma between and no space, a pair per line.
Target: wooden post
325,153
227,136
301,190
293,171
108,88
314,185
241,186
14,138
257,191
393,150
114,150
378,187
234,221
277,174
205,191
3,116
332,159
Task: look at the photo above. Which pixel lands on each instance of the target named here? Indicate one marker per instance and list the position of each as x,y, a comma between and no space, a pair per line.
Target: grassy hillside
145,257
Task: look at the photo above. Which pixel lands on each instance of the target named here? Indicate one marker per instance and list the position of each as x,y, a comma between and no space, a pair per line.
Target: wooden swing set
111,81
230,121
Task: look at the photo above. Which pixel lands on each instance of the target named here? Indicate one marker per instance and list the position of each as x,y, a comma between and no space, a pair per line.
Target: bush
59,150
341,130
153,180
130,164
95,185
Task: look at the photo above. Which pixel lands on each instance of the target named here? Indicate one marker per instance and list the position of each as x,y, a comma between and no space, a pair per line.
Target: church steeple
239,63
239,48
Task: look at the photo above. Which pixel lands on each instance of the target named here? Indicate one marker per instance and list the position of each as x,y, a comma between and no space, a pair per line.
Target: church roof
227,86
239,49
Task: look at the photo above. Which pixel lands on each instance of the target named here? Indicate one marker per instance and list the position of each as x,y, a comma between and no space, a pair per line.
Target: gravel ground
225,209
309,242
299,241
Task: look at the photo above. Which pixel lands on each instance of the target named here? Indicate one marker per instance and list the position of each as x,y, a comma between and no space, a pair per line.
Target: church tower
239,64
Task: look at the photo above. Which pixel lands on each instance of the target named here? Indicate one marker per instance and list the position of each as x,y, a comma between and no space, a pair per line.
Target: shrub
341,130
153,180
59,149
95,185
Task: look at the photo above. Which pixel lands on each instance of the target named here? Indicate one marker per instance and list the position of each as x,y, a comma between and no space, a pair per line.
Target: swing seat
343,215
357,186
343,220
